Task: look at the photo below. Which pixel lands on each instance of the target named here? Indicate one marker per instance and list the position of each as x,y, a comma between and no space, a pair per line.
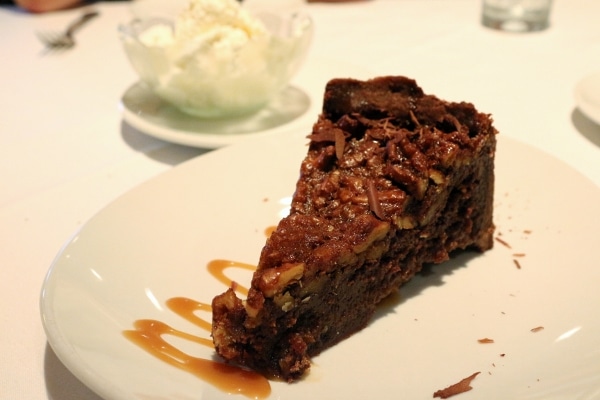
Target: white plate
295,107
587,97
154,243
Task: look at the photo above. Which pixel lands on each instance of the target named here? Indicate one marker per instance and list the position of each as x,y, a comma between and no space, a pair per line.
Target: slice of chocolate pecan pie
393,179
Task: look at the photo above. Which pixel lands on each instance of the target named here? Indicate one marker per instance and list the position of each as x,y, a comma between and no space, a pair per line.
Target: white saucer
587,96
148,113
295,109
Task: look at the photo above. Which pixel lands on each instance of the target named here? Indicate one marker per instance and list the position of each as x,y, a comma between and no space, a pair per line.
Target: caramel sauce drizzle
217,269
186,308
270,230
148,334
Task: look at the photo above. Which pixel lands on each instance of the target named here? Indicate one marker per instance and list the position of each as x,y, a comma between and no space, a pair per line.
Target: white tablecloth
65,152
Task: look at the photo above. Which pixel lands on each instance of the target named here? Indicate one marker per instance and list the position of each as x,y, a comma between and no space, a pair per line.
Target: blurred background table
65,151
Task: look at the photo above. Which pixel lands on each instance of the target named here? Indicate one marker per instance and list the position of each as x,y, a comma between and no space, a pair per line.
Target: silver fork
65,40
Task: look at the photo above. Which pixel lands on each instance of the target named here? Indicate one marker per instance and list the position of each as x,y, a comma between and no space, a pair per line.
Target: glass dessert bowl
217,59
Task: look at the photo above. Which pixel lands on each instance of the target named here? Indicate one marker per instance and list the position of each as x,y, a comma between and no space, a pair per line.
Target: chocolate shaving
455,122
413,118
503,242
537,329
517,263
323,136
457,388
340,144
373,197
485,340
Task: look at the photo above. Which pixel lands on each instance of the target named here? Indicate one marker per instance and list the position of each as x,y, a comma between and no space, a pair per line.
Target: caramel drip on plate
270,230
217,269
229,378
186,308
148,334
